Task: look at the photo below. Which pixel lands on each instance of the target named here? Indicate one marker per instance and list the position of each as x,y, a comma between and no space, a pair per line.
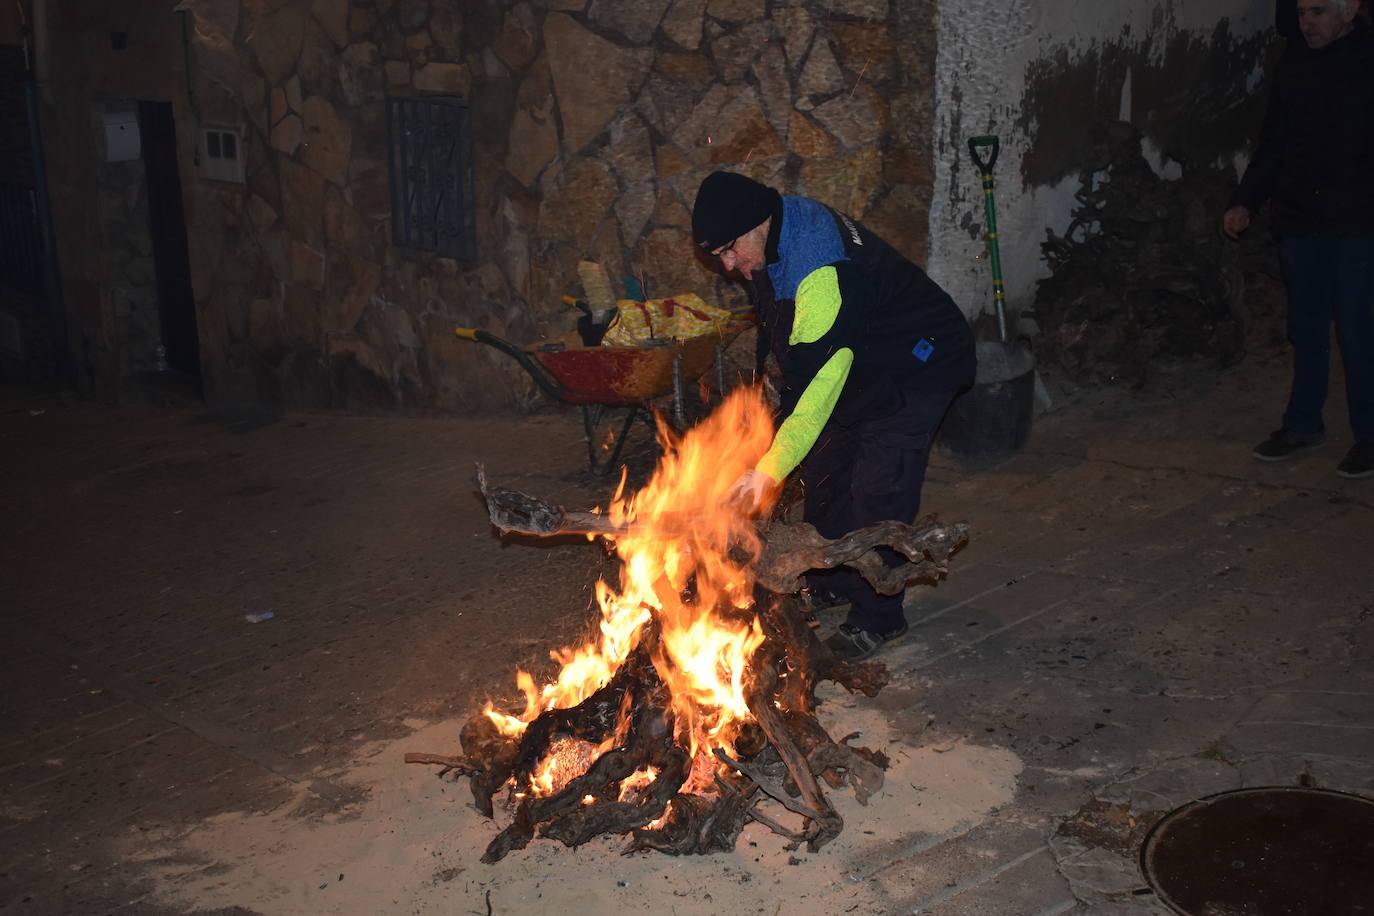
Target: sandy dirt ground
413,844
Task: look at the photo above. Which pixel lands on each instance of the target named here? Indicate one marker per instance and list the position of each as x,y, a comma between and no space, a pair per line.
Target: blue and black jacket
856,328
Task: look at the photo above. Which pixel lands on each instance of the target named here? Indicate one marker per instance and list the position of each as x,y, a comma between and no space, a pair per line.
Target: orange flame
680,531
631,785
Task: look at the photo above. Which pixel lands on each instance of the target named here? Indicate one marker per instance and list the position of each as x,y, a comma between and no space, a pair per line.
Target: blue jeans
1330,279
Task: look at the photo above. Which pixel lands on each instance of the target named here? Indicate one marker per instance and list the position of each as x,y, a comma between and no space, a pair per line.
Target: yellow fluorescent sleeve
799,432
818,304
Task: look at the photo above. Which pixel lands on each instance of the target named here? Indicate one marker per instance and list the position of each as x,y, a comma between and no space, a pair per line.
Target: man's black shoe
822,599
1358,462
815,600
1284,444
854,645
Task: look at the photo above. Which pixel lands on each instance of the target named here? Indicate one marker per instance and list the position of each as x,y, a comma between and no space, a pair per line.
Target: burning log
790,549
785,761
695,713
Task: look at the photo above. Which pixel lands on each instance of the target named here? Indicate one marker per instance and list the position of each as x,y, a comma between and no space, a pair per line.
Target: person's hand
751,488
1235,221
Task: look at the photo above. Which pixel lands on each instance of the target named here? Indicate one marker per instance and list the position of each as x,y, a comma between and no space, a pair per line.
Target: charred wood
807,661
493,754
789,548
594,719
615,816
823,823
697,824
464,766
516,836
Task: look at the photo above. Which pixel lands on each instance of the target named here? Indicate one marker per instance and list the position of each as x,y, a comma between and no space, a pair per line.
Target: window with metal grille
429,156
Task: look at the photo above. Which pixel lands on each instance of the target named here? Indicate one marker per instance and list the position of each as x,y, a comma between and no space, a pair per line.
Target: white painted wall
985,47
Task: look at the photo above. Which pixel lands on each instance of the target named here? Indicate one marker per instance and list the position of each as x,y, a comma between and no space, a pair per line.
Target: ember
696,700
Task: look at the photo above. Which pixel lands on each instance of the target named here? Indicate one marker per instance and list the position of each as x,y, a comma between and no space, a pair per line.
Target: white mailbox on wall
122,139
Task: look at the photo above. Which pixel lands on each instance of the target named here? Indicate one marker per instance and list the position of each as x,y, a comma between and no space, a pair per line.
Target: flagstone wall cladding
593,122
122,204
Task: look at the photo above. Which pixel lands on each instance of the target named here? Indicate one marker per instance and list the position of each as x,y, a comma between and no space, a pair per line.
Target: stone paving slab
939,867
1029,883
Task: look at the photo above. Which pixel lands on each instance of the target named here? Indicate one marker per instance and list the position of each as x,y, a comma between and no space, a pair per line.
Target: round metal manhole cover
1265,852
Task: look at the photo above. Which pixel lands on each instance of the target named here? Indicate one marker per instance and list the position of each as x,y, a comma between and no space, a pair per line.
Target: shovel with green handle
992,419
999,297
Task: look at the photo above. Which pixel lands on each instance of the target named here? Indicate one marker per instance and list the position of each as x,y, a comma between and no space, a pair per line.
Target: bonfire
692,710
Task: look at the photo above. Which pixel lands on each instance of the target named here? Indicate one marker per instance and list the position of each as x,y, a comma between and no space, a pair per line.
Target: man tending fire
872,352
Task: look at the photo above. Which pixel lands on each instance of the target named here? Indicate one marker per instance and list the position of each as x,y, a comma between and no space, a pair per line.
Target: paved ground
1144,615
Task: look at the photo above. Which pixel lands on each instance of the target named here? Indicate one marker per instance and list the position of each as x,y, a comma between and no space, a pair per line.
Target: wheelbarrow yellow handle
536,371
578,304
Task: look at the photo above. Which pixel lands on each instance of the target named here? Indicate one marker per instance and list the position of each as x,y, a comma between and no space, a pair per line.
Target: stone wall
593,122
121,206
1041,74
99,207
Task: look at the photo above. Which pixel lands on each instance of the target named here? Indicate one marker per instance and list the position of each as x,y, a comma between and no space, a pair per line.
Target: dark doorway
176,304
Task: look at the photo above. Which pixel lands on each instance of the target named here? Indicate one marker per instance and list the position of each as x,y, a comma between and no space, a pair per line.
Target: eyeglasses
720,252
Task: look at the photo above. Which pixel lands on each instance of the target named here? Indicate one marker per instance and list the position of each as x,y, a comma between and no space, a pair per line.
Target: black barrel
992,419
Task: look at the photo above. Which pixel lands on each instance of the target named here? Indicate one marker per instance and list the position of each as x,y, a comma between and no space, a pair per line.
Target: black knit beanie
729,205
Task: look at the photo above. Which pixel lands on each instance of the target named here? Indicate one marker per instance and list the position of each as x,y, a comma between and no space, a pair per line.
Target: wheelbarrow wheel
607,437
680,410
606,444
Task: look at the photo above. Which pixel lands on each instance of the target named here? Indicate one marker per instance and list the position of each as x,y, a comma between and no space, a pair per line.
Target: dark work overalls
913,352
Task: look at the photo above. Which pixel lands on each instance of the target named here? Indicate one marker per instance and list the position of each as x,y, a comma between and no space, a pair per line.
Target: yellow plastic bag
680,317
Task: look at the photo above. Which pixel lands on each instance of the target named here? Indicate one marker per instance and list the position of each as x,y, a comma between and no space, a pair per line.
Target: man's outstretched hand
1235,221
752,488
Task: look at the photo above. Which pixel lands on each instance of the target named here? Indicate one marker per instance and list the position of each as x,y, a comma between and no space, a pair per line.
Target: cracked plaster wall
1039,73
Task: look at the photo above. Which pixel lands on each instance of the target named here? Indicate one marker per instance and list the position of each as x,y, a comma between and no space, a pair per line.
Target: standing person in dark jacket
1315,159
871,350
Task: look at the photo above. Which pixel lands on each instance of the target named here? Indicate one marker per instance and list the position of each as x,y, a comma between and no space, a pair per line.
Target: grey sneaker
1358,462
1285,444
854,645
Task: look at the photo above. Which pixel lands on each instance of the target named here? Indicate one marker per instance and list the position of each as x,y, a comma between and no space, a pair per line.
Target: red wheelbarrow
597,378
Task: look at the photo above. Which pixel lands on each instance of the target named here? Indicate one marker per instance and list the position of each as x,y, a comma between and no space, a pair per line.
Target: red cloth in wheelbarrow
626,376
